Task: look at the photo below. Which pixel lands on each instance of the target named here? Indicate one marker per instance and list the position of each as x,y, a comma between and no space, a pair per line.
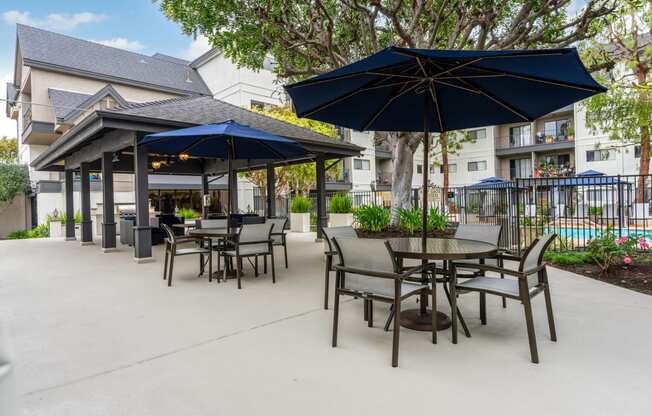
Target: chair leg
459,314
397,328
389,318
285,252
210,265
336,308
226,267
273,267
238,265
365,311
219,265
370,314
265,264
165,264
327,272
434,308
255,266
453,283
483,308
171,268
529,322
551,318
501,264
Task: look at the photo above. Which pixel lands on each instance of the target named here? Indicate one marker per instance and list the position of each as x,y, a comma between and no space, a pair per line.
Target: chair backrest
169,233
331,232
279,224
203,223
252,219
250,233
479,232
533,256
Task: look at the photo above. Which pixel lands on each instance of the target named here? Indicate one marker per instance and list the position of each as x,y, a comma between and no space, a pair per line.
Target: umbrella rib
279,155
457,86
457,67
388,102
496,100
433,93
308,82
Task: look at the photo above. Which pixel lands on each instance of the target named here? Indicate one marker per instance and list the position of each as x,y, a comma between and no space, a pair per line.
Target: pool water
589,233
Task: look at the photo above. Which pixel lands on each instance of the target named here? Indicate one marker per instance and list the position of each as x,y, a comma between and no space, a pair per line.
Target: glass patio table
217,234
444,249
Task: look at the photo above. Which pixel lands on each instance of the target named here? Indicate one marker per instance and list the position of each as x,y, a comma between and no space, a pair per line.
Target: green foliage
437,220
300,205
341,204
8,150
41,231
188,213
14,180
607,250
371,218
568,258
409,220
595,211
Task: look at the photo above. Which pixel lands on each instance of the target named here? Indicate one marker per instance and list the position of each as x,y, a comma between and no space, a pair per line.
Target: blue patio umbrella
421,90
492,183
227,140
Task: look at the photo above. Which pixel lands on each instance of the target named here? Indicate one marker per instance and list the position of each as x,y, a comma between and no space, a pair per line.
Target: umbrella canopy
226,140
397,89
492,183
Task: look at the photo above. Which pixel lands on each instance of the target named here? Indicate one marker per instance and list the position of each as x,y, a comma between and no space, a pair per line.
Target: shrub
568,258
409,220
371,218
300,205
437,220
14,180
41,231
188,213
341,204
595,211
608,249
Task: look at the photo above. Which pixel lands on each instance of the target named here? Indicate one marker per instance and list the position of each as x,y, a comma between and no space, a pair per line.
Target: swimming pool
586,234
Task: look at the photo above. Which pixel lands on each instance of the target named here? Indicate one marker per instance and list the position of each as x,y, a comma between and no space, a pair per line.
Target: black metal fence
577,208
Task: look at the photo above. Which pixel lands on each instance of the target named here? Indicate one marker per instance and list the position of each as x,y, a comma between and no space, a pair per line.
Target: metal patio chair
217,244
532,279
253,240
372,274
279,236
330,233
172,250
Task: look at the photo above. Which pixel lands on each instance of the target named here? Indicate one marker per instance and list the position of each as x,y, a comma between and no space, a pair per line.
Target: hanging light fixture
184,156
156,164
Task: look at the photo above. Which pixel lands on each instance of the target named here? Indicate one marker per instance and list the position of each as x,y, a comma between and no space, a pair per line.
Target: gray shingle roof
12,94
55,51
202,110
65,102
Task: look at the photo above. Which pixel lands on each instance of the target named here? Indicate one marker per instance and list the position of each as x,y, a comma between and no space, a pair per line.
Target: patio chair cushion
494,284
191,250
379,286
250,250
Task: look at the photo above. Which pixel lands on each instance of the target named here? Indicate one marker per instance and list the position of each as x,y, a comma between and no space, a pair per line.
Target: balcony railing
516,142
27,115
383,178
552,171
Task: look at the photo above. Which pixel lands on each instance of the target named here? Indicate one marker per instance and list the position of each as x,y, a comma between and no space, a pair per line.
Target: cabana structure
107,141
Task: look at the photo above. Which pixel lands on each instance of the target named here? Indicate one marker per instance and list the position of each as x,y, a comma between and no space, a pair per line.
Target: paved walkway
97,334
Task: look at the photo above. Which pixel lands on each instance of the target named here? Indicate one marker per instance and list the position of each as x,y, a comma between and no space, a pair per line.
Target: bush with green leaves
437,221
608,250
14,179
300,205
188,213
41,231
371,218
595,211
341,204
409,219
568,258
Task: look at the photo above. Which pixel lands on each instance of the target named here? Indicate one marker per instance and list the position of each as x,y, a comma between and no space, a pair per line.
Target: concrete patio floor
97,334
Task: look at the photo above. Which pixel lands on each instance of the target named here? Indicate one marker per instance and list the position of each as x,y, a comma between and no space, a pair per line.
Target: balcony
27,116
339,182
508,146
383,151
383,181
553,171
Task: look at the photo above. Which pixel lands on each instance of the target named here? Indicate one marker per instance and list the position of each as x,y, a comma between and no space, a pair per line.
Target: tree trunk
403,158
443,142
645,164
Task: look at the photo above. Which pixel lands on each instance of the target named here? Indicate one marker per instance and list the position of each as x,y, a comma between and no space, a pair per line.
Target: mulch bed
637,276
396,232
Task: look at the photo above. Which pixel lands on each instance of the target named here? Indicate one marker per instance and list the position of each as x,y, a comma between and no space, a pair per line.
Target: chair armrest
187,239
373,273
254,242
506,255
489,268
418,269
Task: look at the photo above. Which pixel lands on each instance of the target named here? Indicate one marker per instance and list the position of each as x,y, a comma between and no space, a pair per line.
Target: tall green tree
622,57
309,37
8,149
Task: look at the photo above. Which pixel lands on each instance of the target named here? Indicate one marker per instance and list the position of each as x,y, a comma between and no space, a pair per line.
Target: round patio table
444,249
218,234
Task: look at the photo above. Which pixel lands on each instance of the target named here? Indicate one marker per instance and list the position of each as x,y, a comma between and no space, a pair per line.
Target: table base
414,319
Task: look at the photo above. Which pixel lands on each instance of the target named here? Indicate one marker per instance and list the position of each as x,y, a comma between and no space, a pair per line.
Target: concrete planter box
56,229
340,220
641,210
300,223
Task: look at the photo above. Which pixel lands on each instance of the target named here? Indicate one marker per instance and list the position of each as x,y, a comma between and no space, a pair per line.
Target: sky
136,25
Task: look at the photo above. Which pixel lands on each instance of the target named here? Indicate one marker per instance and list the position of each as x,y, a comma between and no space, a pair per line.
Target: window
520,168
477,166
637,151
361,164
558,129
520,136
562,161
599,155
419,169
452,168
478,134
261,106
